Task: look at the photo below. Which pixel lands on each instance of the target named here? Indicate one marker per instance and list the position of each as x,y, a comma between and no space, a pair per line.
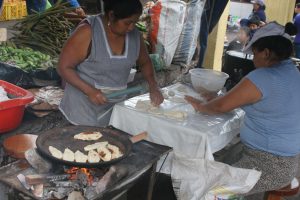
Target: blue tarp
36,5
40,5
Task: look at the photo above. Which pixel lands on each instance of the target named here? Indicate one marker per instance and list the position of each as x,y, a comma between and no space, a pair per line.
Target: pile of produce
44,31
26,59
141,27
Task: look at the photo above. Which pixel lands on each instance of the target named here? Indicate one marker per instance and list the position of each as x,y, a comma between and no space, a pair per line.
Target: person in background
270,97
96,60
41,5
253,23
78,8
259,8
258,11
240,41
74,4
297,24
1,4
35,5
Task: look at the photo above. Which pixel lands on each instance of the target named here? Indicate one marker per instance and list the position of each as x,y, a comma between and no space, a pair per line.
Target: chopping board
17,145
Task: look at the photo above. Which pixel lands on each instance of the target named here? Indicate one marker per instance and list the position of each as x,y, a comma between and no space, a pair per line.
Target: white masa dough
55,152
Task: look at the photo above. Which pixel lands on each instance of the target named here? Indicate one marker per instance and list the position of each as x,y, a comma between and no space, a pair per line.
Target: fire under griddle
142,158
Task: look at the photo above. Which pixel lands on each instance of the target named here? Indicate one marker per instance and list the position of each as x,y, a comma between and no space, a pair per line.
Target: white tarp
198,136
200,179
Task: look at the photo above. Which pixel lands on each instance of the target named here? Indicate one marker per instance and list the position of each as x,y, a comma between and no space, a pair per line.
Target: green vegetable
26,58
141,27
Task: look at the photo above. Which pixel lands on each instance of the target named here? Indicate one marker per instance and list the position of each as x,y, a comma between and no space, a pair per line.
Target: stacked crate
13,9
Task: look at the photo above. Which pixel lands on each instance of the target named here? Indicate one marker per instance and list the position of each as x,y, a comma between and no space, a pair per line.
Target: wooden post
280,11
215,43
3,34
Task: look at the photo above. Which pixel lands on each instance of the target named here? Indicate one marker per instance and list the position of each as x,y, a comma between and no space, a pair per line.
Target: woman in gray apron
97,59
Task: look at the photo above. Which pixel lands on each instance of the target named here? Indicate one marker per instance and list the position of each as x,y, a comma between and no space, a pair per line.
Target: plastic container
207,80
12,111
13,10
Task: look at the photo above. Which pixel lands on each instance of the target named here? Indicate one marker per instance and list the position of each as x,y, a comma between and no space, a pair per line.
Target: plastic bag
188,38
15,76
167,17
24,79
200,179
157,62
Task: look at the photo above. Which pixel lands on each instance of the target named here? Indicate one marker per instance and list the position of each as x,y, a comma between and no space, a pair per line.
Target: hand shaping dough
178,115
147,107
143,105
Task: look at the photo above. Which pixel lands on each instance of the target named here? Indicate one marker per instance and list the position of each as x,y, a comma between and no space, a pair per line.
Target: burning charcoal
71,184
62,192
75,195
98,172
48,192
38,190
114,174
33,179
84,178
90,192
21,196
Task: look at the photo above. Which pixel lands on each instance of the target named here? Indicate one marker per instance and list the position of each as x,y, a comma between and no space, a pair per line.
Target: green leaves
25,59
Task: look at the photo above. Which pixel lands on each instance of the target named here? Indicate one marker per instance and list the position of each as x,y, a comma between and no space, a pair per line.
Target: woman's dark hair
254,20
123,8
261,7
290,28
279,45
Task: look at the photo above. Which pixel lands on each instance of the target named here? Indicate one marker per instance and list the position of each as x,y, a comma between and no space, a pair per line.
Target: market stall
177,125
33,54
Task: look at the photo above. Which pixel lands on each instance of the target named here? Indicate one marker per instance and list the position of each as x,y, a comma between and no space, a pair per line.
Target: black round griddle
62,138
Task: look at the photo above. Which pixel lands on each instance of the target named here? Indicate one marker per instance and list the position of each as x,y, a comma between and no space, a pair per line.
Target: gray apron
102,70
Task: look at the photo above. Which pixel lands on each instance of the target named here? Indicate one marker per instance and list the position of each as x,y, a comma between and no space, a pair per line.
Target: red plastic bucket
12,111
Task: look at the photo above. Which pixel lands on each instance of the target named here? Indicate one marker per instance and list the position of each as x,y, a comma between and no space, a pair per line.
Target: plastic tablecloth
196,136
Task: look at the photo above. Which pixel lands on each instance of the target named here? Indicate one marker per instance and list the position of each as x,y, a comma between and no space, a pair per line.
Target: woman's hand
79,11
208,96
196,103
97,97
156,96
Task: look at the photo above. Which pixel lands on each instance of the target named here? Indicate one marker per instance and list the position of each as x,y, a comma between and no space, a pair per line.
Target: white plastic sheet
198,136
188,38
200,179
167,17
3,94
